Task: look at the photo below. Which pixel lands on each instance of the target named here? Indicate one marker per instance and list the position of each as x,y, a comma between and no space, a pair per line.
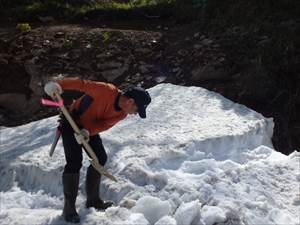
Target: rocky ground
137,54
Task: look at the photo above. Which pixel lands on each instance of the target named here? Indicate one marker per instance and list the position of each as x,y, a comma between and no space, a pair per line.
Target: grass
208,11
31,10
106,35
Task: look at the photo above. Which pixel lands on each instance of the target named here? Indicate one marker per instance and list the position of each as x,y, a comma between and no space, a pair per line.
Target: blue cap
141,98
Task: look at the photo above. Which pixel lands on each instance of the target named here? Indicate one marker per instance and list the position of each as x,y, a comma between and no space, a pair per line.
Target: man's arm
76,84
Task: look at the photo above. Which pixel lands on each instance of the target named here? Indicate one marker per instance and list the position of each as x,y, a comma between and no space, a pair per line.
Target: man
100,108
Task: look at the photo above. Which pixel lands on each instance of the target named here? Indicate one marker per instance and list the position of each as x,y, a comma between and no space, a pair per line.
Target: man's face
131,107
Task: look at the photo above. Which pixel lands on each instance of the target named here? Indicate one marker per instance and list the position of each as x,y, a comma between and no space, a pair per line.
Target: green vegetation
31,10
208,12
24,27
106,35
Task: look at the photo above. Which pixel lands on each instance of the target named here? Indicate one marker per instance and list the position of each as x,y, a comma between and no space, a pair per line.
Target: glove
52,88
83,135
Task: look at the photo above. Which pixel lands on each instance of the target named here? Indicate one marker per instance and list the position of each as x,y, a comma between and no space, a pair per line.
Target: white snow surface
198,158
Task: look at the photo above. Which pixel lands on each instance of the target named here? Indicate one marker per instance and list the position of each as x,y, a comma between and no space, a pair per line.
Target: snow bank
152,208
198,158
187,213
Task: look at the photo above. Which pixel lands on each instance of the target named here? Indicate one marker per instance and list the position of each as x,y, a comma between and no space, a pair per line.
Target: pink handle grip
52,103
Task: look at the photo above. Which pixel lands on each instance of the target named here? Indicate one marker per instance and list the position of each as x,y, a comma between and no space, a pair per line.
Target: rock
221,59
177,63
160,79
143,50
104,55
2,117
46,19
208,72
196,35
143,69
56,46
59,34
298,94
158,56
19,105
85,66
108,65
3,43
257,85
148,77
137,78
111,75
13,101
63,56
174,70
46,42
263,40
35,59
207,42
3,61
57,65
74,54
197,46
179,74
127,78
35,78
182,52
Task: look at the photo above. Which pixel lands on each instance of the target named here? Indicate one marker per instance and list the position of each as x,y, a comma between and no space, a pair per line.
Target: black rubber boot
70,184
92,190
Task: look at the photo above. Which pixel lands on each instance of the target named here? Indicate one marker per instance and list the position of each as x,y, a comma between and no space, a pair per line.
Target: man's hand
83,135
52,88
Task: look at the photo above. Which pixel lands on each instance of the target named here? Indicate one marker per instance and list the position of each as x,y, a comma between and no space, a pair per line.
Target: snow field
198,158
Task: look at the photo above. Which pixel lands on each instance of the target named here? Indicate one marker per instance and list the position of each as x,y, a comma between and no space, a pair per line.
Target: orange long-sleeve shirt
101,113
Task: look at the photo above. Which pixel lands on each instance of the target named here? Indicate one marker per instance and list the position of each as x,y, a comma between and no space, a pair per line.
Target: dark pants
73,151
